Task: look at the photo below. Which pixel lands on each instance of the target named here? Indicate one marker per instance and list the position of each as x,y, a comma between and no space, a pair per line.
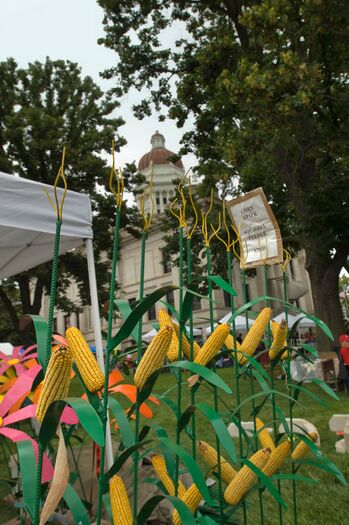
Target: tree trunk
10,309
324,277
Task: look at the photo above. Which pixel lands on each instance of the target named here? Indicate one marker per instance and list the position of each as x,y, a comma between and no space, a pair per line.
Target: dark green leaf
50,423
76,506
219,281
185,417
40,326
220,429
27,465
325,387
88,418
125,310
148,508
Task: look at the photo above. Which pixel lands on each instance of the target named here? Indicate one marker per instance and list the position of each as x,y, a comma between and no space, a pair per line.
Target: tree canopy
43,108
266,85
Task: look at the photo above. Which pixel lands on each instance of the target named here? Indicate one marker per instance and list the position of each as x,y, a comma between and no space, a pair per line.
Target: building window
165,200
166,263
66,321
226,296
196,303
170,298
152,313
158,201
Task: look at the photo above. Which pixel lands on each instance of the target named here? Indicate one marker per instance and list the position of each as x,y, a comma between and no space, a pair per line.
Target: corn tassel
57,380
165,320
213,344
254,335
120,505
186,343
302,449
87,365
264,436
159,466
154,355
277,458
279,340
210,456
191,498
245,478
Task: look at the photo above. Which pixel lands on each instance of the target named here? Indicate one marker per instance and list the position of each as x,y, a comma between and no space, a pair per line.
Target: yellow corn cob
56,381
191,498
245,478
165,320
154,355
302,449
231,343
274,325
87,365
186,344
279,340
277,458
213,344
120,505
255,334
159,466
264,437
210,455
284,355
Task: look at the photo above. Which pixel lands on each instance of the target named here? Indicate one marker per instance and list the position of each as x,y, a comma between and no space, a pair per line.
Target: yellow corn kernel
120,505
231,343
186,343
277,458
274,325
191,498
154,355
159,466
210,455
279,340
302,449
56,381
213,344
165,320
245,478
264,436
87,365
254,335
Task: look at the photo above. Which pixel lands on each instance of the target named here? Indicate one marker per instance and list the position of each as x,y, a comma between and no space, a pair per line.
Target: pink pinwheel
20,389
20,359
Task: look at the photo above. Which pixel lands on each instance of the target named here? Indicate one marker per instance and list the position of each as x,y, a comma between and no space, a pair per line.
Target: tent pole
97,333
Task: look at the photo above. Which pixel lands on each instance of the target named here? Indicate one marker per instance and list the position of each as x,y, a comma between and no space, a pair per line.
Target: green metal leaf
192,466
310,349
204,372
185,417
308,393
76,506
220,429
127,434
93,399
27,465
148,508
187,306
183,511
40,326
50,422
325,465
107,505
219,281
132,320
88,418
325,387
125,310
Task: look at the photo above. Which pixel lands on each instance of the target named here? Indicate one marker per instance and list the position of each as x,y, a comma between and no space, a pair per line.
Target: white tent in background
291,319
305,322
27,230
147,337
240,323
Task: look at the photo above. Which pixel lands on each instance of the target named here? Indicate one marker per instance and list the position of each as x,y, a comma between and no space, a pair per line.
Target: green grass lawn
321,503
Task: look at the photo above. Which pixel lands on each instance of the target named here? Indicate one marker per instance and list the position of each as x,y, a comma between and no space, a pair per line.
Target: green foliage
45,107
266,86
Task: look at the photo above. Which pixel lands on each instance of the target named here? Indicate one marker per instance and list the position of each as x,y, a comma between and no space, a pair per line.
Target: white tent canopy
291,319
148,336
240,323
27,231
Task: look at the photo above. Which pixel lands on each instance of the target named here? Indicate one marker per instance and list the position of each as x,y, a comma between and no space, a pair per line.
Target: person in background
344,349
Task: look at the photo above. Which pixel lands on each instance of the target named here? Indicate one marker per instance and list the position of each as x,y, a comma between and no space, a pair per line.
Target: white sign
260,238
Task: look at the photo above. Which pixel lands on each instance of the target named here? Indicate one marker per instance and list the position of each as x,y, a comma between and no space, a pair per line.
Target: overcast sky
68,29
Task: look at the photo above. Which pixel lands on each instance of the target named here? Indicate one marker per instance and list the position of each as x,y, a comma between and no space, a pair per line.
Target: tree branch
234,11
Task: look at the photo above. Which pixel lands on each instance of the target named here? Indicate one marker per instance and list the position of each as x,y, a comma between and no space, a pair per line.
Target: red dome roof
158,154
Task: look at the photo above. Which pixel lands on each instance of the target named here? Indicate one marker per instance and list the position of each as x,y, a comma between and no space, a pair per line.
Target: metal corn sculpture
154,355
254,335
302,449
264,437
120,505
56,381
165,320
279,332
87,365
210,456
191,498
186,344
213,344
159,466
277,458
245,478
